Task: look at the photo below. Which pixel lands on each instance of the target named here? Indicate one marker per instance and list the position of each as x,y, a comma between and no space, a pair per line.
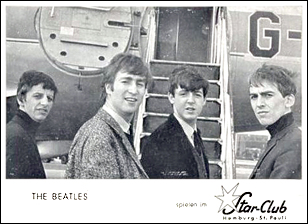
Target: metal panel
66,33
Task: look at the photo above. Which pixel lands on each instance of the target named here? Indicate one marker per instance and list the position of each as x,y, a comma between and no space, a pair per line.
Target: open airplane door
83,40
80,41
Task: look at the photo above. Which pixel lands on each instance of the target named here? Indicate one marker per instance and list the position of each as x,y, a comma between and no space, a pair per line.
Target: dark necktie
130,138
198,143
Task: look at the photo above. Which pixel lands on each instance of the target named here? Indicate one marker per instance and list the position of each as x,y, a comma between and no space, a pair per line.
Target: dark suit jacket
282,157
101,150
167,153
22,156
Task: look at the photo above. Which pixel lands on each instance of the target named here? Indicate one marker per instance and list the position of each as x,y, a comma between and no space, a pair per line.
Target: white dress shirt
123,124
188,130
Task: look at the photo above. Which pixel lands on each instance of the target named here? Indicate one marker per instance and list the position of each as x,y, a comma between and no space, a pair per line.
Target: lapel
117,129
271,144
176,130
204,154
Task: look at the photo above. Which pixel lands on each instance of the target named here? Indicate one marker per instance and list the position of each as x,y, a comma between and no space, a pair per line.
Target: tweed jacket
282,157
167,153
23,160
101,150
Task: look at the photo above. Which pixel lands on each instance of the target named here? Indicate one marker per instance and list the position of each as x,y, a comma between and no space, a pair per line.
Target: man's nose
44,100
260,101
191,98
132,87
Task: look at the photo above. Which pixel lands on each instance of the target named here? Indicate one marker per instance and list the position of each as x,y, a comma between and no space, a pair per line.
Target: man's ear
108,87
204,103
171,98
289,100
20,101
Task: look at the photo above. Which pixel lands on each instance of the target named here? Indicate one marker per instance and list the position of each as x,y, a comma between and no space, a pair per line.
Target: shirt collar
123,124
188,130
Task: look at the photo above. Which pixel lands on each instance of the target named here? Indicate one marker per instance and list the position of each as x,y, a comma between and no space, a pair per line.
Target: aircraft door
82,40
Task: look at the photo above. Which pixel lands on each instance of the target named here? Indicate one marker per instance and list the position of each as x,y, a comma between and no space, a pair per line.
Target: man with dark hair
103,147
35,96
175,148
272,95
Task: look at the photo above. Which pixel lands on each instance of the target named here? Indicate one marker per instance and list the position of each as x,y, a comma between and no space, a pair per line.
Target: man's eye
141,84
252,97
50,99
37,96
268,95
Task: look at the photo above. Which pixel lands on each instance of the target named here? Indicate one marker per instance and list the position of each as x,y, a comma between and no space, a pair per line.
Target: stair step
161,78
203,138
157,95
217,119
183,63
160,68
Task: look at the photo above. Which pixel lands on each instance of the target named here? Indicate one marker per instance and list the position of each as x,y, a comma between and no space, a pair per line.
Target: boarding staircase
214,121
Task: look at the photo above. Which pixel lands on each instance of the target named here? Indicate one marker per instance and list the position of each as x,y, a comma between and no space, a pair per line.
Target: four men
103,147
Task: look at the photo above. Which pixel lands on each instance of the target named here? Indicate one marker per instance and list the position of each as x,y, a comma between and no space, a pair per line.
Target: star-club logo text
229,198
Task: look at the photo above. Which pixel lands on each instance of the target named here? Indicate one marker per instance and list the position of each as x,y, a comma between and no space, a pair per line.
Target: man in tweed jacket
102,147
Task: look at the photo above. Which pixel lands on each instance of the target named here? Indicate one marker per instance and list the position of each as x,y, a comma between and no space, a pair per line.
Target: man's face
37,102
268,103
126,94
188,104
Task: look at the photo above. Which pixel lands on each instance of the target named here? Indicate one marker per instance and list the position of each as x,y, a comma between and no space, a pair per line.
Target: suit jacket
167,153
101,149
22,156
282,157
